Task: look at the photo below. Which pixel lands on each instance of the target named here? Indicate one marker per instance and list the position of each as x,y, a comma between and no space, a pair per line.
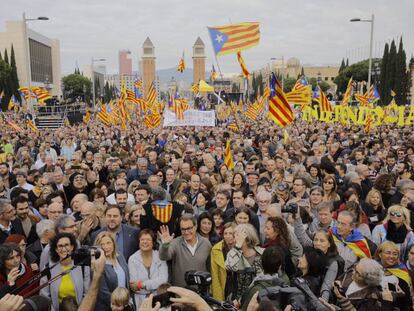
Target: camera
300,297
291,208
198,278
83,255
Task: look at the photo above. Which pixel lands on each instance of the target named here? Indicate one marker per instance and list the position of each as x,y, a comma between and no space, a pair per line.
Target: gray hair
351,176
60,223
349,214
264,195
404,185
142,161
4,203
252,239
158,193
188,216
43,225
371,271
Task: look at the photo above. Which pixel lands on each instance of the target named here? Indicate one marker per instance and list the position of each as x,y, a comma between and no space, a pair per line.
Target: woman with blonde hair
116,273
395,228
374,208
395,273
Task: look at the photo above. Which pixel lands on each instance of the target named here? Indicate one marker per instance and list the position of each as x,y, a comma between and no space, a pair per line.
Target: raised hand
165,235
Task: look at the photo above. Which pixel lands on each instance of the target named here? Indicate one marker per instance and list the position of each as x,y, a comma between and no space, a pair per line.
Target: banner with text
191,118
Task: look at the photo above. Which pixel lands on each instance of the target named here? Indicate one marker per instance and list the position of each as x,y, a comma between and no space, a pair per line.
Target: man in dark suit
170,183
8,222
126,236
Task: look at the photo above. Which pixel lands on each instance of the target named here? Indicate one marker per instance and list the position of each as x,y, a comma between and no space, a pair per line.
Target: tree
14,80
75,85
5,72
342,67
323,84
6,56
383,78
391,70
410,74
401,75
358,72
288,84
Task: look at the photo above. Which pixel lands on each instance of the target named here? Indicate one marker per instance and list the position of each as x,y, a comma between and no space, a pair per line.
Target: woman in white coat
146,270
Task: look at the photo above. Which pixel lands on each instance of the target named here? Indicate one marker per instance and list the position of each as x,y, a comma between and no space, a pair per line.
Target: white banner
191,118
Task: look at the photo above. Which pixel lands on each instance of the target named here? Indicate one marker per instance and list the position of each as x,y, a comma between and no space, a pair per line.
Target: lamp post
93,60
283,68
370,45
26,40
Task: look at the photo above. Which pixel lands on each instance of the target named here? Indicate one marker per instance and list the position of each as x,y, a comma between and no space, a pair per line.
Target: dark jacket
16,228
148,221
109,281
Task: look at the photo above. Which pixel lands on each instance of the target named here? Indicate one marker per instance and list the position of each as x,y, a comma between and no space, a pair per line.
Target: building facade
116,80
125,62
37,57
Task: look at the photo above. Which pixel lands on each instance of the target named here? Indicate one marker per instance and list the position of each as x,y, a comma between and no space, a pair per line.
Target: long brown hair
280,226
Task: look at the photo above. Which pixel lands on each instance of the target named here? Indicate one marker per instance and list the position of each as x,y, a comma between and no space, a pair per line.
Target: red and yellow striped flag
234,37
151,96
213,74
368,123
279,109
181,64
86,117
323,101
30,124
152,120
195,88
347,95
228,157
244,70
362,99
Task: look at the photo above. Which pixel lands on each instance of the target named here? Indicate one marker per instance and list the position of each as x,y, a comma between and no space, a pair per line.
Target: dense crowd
329,205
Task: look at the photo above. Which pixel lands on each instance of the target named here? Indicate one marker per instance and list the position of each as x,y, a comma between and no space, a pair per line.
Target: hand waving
165,235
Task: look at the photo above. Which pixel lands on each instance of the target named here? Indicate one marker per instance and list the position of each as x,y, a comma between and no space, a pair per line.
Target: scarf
394,234
401,272
355,241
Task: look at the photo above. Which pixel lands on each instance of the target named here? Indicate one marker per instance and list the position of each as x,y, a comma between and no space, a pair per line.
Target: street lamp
93,60
26,39
283,68
370,44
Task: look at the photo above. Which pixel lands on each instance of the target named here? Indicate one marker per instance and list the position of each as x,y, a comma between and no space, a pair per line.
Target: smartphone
303,202
163,299
392,287
75,167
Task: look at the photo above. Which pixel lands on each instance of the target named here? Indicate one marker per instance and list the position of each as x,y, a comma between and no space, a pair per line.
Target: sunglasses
328,182
396,214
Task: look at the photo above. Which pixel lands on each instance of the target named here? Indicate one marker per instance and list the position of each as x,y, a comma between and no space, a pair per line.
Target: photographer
272,261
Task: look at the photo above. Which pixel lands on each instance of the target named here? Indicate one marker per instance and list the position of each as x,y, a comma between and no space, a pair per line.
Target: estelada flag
162,211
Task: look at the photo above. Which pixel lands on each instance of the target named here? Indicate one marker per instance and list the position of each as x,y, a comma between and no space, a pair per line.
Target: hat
74,175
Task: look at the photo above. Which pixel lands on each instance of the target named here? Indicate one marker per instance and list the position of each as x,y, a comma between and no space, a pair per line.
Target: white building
44,67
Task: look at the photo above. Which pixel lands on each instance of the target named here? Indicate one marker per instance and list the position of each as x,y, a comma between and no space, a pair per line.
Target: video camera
83,255
202,280
300,297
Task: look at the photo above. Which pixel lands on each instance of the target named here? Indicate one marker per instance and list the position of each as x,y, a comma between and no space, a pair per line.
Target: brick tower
199,61
148,65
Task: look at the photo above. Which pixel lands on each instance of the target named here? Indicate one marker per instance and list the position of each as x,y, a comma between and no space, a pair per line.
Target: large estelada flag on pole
279,109
232,38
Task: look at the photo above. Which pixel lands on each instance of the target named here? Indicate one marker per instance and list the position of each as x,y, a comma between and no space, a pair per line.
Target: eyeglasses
396,214
187,229
282,186
62,246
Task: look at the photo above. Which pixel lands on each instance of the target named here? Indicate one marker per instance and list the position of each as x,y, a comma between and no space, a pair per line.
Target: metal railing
60,109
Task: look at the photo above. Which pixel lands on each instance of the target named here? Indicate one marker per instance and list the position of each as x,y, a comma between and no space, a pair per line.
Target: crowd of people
331,205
